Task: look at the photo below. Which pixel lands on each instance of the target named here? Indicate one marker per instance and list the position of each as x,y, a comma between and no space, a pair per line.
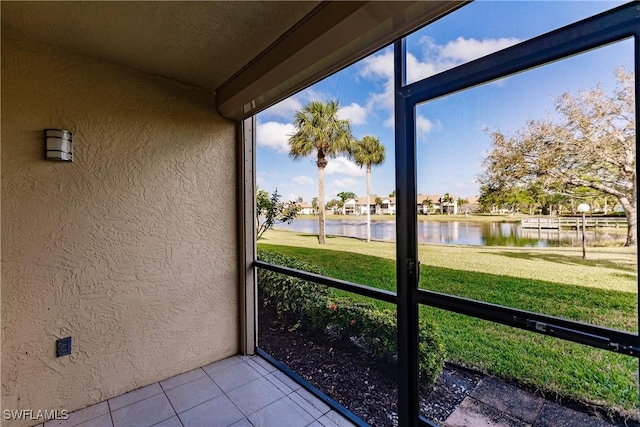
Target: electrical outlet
63,346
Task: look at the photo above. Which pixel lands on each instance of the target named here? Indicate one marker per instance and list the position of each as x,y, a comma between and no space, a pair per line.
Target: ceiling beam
331,37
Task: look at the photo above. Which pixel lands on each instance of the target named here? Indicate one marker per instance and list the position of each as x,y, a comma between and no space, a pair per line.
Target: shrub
315,306
288,295
431,350
375,331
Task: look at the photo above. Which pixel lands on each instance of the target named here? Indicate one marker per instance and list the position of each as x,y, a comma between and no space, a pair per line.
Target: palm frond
319,129
367,152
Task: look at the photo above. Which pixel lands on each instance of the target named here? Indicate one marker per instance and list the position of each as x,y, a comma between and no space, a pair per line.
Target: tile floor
238,391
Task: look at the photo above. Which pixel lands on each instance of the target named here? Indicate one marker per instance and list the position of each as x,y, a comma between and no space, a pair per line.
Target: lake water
461,232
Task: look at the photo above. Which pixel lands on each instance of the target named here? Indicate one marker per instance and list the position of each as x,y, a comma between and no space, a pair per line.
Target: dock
555,223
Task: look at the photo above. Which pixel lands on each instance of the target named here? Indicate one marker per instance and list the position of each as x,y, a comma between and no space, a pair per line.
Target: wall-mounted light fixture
58,145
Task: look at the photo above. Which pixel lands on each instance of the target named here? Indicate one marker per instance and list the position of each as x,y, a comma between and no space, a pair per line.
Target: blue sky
452,131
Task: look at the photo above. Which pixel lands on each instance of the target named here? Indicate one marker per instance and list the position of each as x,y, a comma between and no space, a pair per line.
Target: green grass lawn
601,290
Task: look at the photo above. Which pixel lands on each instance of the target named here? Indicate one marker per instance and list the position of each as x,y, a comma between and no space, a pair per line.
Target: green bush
288,295
375,331
316,306
431,350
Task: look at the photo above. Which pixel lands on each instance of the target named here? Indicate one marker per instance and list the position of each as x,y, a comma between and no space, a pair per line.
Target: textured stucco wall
131,249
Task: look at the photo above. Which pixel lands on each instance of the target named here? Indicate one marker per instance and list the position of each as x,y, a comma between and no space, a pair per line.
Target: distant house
307,209
388,206
449,208
349,207
359,206
424,207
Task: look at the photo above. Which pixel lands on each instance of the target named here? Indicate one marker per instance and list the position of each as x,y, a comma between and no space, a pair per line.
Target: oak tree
590,145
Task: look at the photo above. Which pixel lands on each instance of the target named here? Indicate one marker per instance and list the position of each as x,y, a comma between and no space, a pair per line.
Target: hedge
318,307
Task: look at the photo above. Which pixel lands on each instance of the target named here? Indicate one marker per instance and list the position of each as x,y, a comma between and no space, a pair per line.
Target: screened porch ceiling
251,54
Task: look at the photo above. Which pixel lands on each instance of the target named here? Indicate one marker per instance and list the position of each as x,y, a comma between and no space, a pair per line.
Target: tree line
587,153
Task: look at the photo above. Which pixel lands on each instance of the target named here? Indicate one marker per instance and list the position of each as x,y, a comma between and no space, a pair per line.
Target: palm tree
320,131
427,205
367,152
445,200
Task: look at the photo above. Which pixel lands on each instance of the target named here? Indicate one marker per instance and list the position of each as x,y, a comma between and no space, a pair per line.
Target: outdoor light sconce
58,145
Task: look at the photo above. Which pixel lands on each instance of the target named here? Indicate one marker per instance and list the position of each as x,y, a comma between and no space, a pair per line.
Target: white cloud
389,122
354,112
286,108
274,135
417,70
311,94
435,59
376,66
443,57
342,165
345,184
382,101
423,125
302,180
380,67
465,50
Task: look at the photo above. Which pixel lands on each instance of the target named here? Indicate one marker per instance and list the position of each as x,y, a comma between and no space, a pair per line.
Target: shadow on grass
263,238
315,236
625,276
622,265
604,307
505,351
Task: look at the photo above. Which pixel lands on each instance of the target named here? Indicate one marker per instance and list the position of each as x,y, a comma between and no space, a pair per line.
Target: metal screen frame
609,27
600,30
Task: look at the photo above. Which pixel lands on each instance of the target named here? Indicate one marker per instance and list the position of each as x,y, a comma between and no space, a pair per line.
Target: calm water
460,233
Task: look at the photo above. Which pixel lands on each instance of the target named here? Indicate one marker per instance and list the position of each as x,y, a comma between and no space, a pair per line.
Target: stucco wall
131,249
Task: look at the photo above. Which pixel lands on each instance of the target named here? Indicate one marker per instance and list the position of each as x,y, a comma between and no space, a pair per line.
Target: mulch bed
340,370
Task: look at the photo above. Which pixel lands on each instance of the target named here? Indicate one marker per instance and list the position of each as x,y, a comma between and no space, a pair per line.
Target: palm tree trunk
321,238
368,203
